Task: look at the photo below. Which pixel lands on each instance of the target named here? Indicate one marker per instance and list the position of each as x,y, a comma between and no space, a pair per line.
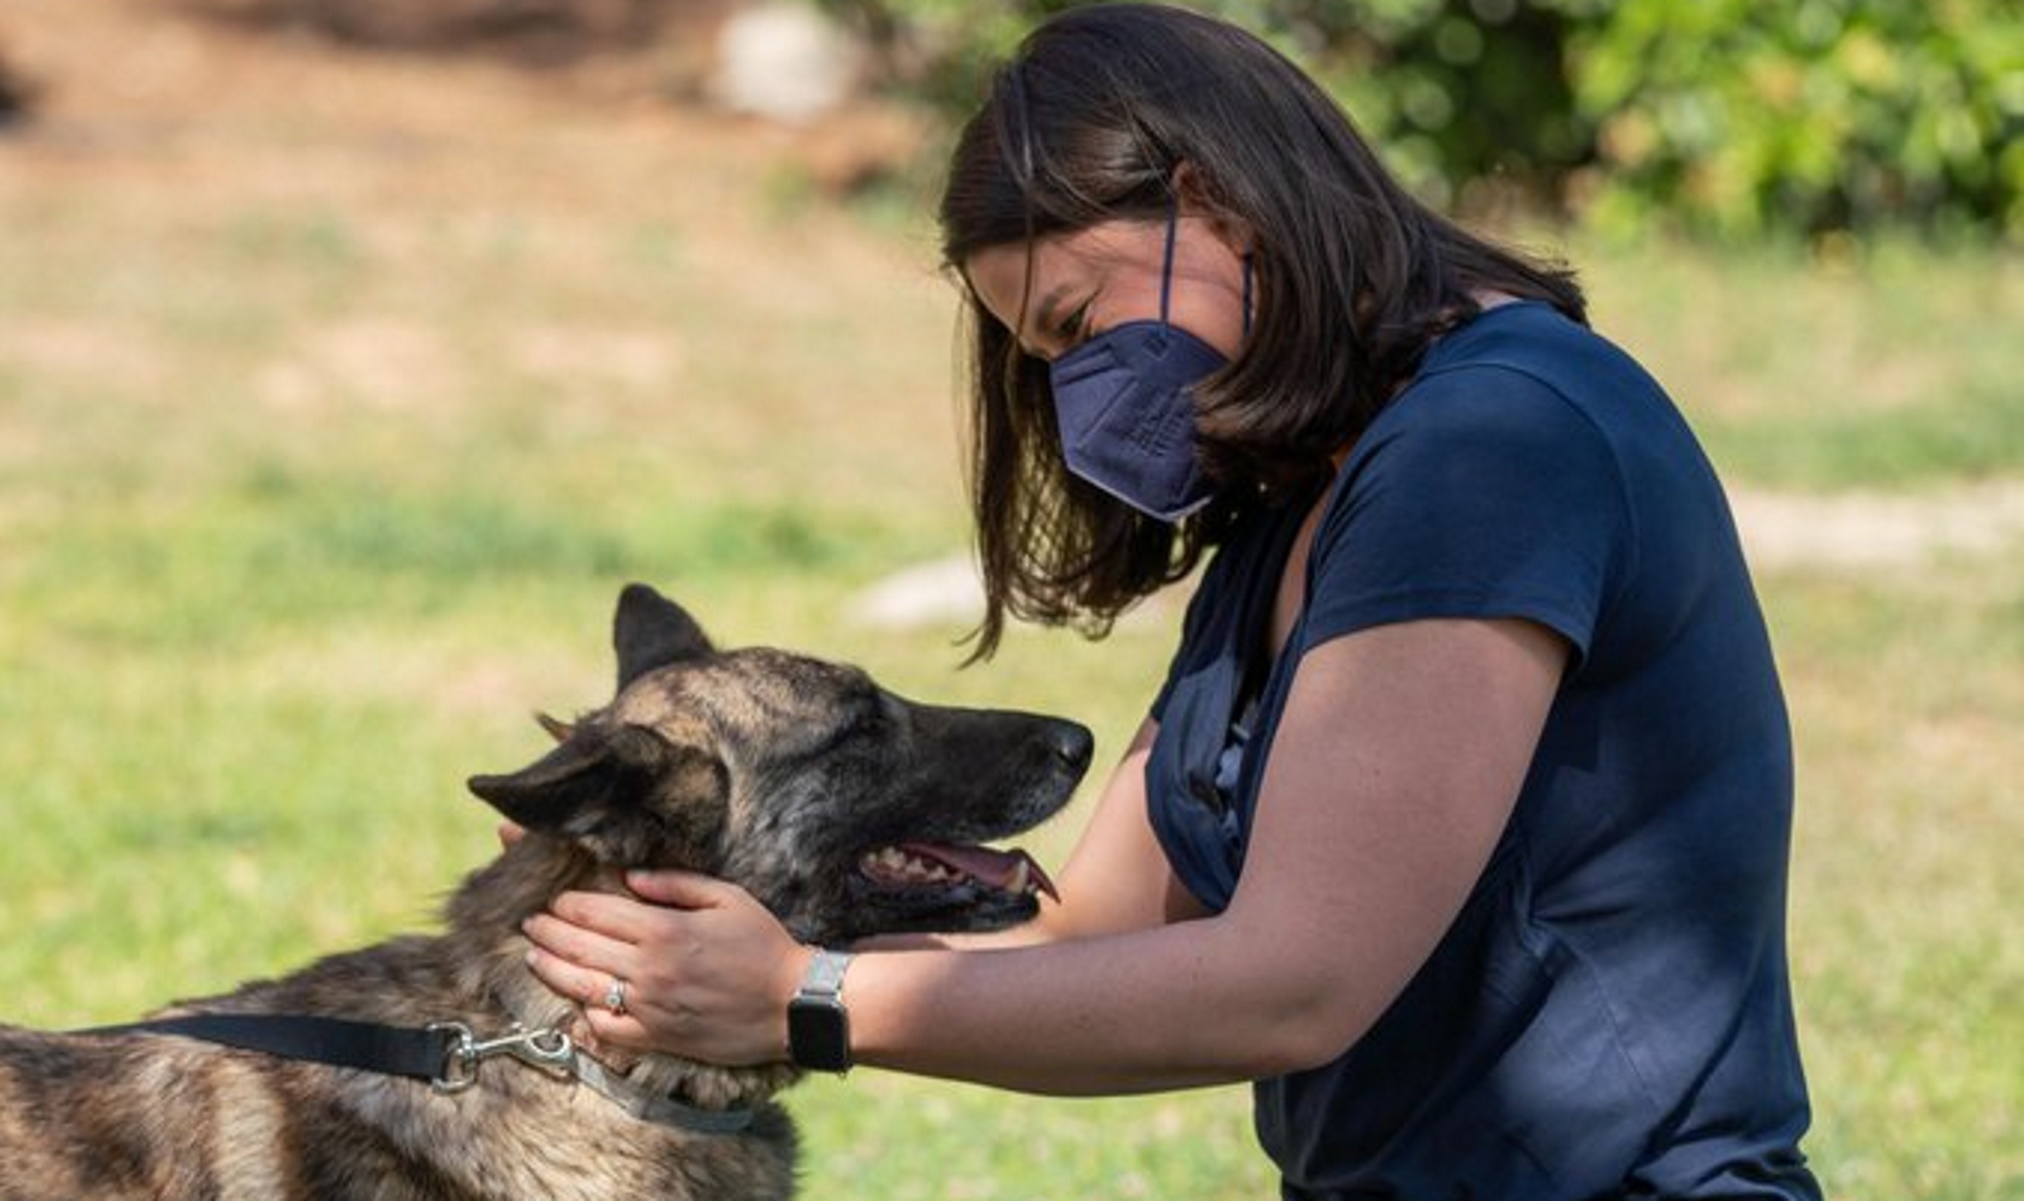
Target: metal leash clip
549,1049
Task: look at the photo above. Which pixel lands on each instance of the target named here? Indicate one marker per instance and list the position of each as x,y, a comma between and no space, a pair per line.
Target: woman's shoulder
1524,373
1534,340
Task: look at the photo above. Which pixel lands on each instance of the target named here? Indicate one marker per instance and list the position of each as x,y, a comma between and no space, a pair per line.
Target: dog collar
650,1106
641,1103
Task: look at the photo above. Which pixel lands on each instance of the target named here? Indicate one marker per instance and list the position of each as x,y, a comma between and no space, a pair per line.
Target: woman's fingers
619,918
600,1028
688,965
590,987
587,938
569,938
683,890
601,951
638,918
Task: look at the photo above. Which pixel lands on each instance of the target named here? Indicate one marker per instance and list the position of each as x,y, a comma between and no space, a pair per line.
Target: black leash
446,1054
418,1054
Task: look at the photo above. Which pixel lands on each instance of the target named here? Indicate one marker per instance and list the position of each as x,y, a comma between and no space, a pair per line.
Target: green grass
320,468
1907,700
1894,366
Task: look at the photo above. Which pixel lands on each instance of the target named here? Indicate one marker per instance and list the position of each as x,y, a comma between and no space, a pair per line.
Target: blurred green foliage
1820,115
1729,117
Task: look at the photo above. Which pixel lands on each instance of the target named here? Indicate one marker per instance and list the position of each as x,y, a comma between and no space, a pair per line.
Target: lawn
339,395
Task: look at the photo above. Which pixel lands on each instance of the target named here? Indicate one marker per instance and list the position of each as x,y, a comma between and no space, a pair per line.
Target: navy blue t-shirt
1610,1014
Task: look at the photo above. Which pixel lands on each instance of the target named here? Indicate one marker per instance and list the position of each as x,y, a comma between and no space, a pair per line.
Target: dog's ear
651,631
624,793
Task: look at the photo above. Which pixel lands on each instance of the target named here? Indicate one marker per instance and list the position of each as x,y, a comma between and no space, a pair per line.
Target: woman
1460,823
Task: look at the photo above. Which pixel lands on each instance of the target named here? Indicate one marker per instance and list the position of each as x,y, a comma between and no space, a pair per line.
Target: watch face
818,1034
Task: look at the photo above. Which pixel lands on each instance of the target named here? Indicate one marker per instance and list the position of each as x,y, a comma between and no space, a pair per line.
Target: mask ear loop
1167,269
1167,266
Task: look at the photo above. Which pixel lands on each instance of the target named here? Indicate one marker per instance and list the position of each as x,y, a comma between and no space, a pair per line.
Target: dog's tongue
999,869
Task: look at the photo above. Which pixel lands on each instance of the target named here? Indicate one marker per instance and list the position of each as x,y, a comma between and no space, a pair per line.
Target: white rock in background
942,592
786,62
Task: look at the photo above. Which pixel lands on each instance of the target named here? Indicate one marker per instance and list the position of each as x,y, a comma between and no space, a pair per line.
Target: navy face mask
1126,410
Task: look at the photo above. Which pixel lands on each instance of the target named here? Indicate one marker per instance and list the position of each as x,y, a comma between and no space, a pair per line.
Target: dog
843,808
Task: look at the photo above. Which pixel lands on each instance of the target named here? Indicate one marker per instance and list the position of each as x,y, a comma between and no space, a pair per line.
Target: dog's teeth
897,865
1021,878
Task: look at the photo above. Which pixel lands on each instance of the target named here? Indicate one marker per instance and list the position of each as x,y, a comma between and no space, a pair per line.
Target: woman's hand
708,971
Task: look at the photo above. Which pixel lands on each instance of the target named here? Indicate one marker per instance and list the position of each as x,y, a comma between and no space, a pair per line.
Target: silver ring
614,997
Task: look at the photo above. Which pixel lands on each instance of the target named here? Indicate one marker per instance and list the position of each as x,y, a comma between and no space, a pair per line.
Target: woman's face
1087,281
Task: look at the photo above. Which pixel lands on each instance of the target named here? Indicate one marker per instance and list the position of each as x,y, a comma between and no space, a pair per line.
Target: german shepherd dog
843,808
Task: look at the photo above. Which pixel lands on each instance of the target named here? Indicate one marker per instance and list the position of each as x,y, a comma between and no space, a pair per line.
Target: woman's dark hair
1090,121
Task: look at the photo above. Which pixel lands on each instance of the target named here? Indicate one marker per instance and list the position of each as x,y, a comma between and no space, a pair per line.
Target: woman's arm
1392,774
1391,777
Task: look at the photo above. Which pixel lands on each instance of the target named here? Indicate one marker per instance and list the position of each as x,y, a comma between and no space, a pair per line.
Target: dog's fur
779,772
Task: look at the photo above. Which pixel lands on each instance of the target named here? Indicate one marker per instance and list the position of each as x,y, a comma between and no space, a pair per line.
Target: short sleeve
1479,492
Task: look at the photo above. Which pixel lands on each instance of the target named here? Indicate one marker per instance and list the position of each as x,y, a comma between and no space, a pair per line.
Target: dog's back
152,1117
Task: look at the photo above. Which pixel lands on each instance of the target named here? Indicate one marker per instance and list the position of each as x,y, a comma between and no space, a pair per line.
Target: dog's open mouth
935,865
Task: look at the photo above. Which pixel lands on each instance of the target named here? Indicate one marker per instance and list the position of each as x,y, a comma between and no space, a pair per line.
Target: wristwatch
818,1026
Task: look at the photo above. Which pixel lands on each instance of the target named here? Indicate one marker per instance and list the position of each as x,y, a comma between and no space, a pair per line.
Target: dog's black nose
1074,744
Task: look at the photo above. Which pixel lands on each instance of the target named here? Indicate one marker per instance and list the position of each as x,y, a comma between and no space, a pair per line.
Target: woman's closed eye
1071,330
1056,332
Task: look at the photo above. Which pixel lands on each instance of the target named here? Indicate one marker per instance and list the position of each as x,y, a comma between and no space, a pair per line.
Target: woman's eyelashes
1073,328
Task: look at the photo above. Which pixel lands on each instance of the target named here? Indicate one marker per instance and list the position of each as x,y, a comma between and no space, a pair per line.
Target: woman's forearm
1029,935
1170,1007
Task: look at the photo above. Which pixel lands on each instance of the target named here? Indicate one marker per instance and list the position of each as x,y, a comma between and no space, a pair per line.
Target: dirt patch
1870,531
1781,531
376,362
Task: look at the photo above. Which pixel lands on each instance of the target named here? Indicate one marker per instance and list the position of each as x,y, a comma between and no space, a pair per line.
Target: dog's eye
874,720
881,717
